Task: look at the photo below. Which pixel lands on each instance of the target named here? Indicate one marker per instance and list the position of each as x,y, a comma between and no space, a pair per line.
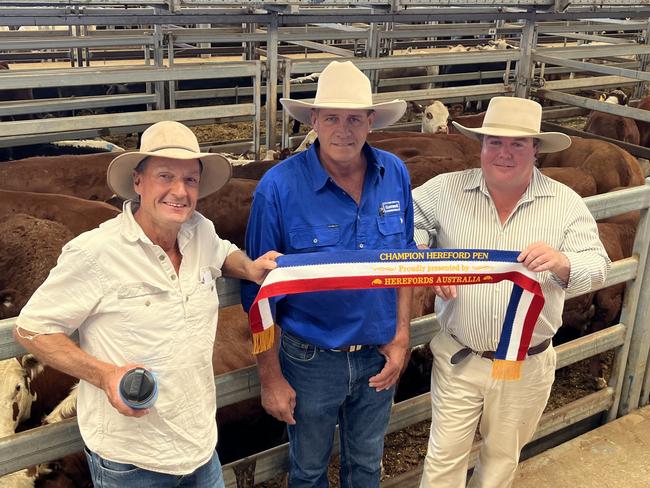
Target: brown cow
77,214
644,127
610,165
407,145
82,176
613,126
578,180
29,248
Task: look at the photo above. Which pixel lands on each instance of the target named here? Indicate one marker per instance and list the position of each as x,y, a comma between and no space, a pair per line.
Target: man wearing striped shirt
507,204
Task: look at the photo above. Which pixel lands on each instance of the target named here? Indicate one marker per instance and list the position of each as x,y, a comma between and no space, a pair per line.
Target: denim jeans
333,387
109,474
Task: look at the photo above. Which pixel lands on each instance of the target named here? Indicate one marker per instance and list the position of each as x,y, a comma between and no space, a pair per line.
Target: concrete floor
616,455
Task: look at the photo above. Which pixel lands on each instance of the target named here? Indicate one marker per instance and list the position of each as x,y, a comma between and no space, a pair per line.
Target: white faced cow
16,397
434,118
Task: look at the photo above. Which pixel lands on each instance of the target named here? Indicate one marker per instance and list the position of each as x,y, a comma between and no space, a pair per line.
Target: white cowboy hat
342,85
516,117
168,139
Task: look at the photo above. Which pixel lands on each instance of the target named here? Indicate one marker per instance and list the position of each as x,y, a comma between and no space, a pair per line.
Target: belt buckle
352,348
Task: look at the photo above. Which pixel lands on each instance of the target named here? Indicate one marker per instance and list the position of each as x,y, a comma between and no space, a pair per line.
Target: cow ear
32,366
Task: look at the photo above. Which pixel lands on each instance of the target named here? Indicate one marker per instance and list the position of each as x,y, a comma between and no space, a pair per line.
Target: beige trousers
508,411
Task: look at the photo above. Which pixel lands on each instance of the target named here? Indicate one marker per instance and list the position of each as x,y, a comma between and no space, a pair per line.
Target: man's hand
279,398
539,256
395,354
259,268
445,292
110,382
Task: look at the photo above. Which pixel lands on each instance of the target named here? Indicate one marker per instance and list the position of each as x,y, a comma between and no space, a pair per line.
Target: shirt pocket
152,321
315,237
203,304
392,229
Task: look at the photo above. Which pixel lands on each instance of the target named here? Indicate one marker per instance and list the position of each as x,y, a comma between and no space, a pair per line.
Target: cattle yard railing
40,130
630,340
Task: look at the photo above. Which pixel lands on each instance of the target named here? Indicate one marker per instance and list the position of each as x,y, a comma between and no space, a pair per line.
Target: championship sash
353,270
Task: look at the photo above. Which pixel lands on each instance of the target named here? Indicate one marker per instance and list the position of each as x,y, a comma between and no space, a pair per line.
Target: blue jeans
109,474
333,387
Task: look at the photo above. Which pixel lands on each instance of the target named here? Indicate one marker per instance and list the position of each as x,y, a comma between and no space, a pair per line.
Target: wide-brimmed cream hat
342,85
516,117
168,139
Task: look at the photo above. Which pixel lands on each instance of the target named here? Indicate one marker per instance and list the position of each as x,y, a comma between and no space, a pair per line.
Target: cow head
434,119
16,395
617,97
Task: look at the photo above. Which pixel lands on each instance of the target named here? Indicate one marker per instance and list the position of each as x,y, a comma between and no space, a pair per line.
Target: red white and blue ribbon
353,270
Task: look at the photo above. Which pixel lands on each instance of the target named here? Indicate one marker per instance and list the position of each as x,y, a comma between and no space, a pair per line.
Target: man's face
507,162
341,133
168,189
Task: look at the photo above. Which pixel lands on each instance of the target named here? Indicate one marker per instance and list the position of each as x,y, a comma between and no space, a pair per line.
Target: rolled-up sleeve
582,246
67,297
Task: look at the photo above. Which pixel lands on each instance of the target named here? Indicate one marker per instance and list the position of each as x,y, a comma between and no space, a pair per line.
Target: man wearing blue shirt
340,352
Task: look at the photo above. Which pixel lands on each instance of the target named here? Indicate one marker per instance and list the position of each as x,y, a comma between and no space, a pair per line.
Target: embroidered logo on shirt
392,206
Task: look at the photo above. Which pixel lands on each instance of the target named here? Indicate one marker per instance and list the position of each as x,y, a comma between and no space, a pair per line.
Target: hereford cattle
610,165
644,127
82,176
466,120
613,126
77,214
435,118
16,394
578,180
408,145
29,248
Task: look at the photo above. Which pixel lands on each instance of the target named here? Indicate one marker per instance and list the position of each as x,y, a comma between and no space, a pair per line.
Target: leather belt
353,348
461,355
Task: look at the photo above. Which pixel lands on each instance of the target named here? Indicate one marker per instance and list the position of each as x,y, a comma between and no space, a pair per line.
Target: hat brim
386,113
216,170
548,141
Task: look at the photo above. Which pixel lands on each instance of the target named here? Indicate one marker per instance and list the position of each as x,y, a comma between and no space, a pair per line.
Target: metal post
271,80
171,85
525,65
257,100
158,62
634,315
639,88
286,93
372,51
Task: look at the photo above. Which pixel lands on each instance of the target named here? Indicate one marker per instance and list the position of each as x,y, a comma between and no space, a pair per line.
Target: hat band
160,148
510,126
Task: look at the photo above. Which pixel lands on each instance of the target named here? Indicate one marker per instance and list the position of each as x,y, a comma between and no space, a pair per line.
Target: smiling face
508,162
341,133
168,189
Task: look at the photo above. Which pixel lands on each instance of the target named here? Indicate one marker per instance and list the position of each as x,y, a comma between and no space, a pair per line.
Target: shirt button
315,241
147,303
173,277
161,257
361,246
187,298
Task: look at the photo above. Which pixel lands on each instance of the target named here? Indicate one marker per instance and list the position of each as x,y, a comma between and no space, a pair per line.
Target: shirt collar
538,187
132,232
320,177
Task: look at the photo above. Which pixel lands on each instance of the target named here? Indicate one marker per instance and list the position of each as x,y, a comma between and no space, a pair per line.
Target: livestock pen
372,30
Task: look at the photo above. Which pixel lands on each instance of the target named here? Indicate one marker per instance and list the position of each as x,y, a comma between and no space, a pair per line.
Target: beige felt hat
168,139
342,85
516,117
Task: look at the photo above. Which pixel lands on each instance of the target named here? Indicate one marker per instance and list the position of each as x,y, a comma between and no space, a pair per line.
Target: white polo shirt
121,291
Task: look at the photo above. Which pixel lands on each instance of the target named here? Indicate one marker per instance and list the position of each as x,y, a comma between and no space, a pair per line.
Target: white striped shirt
460,209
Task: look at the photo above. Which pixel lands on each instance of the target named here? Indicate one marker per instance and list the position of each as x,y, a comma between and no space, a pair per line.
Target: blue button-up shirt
298,208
